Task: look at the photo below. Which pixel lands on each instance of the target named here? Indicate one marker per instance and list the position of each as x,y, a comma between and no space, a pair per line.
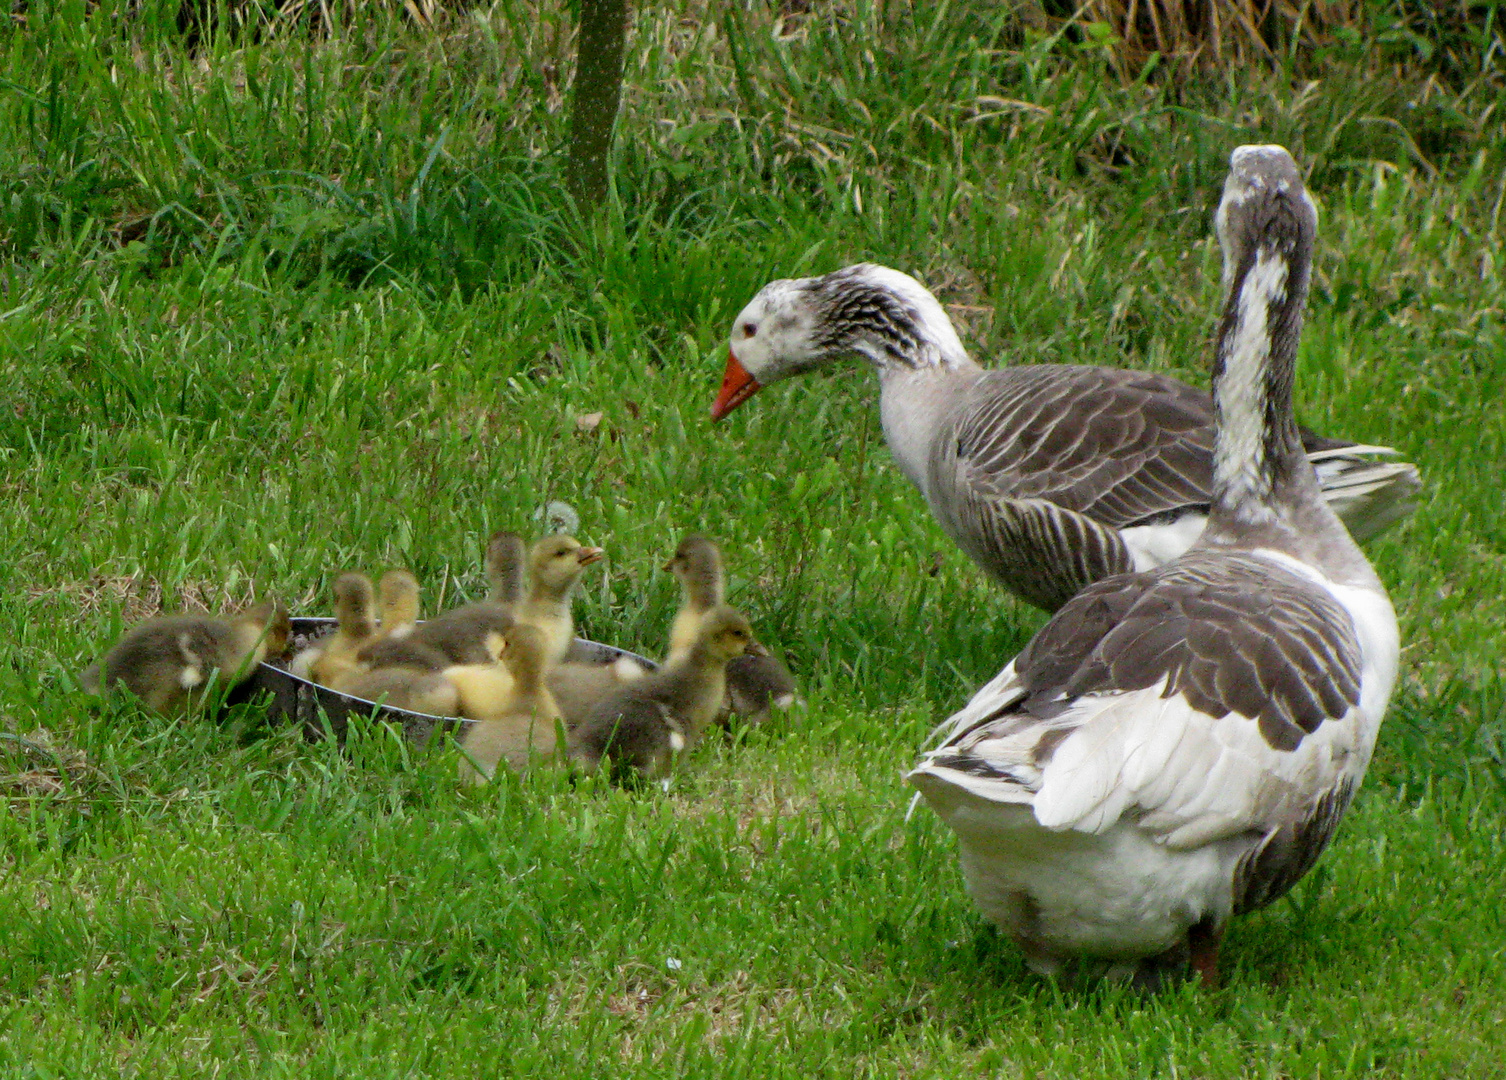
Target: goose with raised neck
1176,746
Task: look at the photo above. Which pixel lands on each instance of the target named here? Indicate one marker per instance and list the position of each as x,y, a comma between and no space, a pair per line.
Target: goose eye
749,329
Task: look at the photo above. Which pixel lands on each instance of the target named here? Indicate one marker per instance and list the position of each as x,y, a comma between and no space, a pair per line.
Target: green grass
290,304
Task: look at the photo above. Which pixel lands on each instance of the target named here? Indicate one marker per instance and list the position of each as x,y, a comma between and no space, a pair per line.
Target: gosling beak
756,649
588,555
668,566
737,387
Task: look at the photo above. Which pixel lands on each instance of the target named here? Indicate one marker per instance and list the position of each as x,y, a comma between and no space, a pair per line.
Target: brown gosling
520,729
506,569
355,615
171,662
755,684
645,724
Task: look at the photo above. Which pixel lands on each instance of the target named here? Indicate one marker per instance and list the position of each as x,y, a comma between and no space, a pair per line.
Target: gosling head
398,595
355,604
271,622
524,649
556,562
506,562
726,634
697,564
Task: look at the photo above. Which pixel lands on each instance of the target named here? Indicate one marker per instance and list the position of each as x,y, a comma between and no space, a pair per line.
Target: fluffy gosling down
755,684
520,727
554,566
394,645
171,662
403,688
356,625
579,687
647,722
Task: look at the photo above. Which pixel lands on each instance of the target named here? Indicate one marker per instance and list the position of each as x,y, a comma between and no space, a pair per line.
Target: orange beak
737,387
588,555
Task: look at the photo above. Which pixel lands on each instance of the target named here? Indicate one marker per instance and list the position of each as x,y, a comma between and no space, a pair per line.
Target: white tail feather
1368,496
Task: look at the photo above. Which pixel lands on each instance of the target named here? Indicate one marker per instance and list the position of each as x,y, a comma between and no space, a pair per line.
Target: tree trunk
593,105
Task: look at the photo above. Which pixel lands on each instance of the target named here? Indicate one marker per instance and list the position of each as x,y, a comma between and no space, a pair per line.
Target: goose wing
1120,447
1043,465
1040,551
1210,698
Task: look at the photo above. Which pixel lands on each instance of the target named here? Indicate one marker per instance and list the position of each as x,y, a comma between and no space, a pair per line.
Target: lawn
274,305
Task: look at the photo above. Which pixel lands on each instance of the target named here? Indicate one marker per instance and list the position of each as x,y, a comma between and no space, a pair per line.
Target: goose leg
1203,939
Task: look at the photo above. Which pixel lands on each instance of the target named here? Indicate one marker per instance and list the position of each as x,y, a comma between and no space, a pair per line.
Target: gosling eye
749,329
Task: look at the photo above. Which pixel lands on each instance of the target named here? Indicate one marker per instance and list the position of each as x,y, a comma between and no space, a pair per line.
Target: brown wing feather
1284,857
1232,633
1120,447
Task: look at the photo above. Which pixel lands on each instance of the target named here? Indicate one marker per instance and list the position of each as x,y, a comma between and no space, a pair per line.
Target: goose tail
1368,495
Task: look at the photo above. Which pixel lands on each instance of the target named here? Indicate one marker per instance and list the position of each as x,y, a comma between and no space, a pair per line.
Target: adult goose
1049,476
1177,745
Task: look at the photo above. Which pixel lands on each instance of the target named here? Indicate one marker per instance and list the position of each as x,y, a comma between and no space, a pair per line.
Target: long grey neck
1259,466
1265,493
915,405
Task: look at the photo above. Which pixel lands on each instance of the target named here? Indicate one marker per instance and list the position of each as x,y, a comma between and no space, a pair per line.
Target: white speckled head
796,325
772,336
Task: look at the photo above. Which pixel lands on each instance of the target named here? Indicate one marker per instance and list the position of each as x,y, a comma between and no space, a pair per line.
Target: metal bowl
325,713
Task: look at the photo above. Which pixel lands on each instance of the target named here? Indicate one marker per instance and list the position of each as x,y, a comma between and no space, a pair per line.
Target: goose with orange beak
1049,476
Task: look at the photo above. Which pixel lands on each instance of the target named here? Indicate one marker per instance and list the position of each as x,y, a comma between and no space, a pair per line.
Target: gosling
644,725
554,566
755,684
520,728
171,662
355,615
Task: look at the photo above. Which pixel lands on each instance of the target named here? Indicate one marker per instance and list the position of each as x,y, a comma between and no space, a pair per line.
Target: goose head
1266,224
1264,204
796,325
